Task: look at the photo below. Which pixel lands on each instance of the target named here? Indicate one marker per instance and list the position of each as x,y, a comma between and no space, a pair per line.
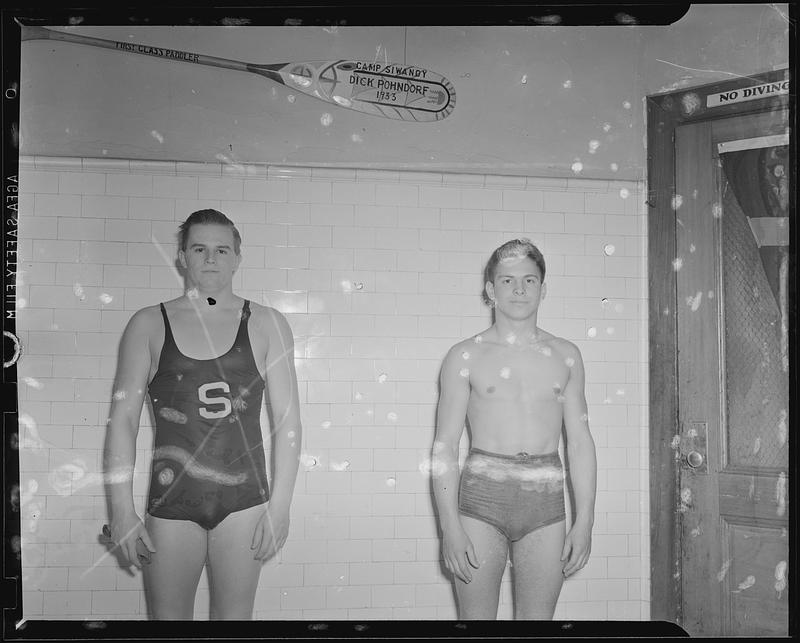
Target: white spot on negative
340,466
106,298
676,442
434,466
391,416
524,79
691,103
478,339
686,495
624,193
464,372
569,362
290,434
593,145
566,84
626,104
505,372
391,482
326,119
609,249
119,395
692,248
192,293
511,338
592,332
308,461
156,135
291,98
326,424
780,577
696,532
780,494
166,476
747,583
676,202
677,263
606,127
694,302
465,355
577,167
726,565
757,446
33,383
716,210
782,430
356,138
382,378
614,167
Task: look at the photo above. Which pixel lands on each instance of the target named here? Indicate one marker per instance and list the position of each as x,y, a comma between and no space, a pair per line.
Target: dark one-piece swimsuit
208,459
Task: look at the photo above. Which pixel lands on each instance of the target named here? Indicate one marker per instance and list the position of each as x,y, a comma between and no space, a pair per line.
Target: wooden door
731,269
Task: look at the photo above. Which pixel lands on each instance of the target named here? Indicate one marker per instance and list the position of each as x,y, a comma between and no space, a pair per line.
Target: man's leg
538,572
479,598
232,570
171,577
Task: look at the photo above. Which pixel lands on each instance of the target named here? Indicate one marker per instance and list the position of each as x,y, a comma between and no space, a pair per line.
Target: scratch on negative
705,71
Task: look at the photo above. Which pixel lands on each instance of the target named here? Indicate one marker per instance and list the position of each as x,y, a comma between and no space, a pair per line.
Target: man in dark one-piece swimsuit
204,359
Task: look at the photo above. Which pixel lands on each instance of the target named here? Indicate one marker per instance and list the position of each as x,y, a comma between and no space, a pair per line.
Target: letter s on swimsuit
202,393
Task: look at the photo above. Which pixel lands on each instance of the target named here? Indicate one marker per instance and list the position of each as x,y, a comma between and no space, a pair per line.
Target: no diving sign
747,93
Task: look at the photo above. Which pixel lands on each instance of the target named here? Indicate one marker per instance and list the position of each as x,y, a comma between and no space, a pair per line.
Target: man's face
209,258
517,288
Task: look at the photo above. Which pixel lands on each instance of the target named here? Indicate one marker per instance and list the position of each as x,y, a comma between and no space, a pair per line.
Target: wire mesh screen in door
755,255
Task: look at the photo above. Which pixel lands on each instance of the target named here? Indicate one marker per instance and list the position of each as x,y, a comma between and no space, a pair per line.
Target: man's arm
119,457
287,434
582,466
457,548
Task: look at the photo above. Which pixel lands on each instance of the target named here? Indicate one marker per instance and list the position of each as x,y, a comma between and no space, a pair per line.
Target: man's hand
271,531
577,547
130,536
459,554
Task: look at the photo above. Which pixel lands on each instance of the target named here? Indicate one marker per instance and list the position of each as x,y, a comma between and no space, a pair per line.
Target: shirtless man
515,384
204,358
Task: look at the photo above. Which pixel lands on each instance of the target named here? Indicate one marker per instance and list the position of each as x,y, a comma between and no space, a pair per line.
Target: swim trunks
208,459
516,494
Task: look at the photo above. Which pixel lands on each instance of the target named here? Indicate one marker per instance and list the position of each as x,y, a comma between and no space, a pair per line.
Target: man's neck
513,330
217,299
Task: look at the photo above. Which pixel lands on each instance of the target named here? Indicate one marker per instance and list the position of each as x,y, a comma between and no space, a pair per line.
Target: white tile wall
378,274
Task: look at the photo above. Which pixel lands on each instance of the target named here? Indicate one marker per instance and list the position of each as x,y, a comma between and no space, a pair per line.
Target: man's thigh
174,570
233,570
538,571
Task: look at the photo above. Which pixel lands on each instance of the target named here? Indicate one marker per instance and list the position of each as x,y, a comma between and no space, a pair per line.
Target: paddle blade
400,92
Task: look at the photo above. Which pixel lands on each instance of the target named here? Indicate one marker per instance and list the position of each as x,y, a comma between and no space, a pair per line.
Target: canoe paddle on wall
399,92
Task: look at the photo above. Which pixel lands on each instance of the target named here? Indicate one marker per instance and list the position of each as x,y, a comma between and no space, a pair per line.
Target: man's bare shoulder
565,348
267,319
472,343
146,319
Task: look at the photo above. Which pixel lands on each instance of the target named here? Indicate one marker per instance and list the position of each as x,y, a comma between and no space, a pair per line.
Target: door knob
694,459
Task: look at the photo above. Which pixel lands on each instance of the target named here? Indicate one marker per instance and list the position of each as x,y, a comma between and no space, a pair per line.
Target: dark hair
214,217
516,248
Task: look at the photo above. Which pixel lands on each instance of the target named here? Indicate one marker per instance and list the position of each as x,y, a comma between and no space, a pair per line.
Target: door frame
666,112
